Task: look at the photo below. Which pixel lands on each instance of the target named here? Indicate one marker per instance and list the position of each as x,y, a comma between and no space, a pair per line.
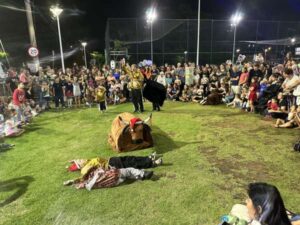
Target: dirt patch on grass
236,166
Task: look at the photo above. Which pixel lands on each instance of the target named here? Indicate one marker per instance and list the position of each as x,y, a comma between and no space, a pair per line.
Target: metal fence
172,38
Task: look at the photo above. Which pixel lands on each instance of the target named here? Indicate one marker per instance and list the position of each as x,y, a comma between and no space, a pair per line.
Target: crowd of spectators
271,90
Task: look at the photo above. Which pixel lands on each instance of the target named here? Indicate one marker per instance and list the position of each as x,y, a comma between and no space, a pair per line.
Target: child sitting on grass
3,146
11,128
293,119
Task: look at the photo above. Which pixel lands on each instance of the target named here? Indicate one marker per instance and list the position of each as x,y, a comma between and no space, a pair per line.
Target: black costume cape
155,92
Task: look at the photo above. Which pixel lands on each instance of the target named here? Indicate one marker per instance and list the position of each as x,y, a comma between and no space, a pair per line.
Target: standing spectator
76,92
253,94
19,101
58,92
244,77
161,78
189,74
234,80
69,92
11,81
23,77
255,73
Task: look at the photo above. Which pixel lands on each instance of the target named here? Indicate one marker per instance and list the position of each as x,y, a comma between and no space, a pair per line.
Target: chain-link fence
176,40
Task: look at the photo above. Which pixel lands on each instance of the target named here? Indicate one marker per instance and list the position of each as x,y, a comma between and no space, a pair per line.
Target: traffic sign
33,51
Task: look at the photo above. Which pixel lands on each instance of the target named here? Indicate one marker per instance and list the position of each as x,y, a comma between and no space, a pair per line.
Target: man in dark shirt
234,80
58,92
11,81
255,73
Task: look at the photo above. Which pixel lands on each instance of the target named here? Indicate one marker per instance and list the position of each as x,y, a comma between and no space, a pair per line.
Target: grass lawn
210,155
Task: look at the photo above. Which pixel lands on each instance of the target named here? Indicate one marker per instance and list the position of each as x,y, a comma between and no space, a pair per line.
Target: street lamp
151,16
235,20
56,11
185,56
293,40
266,51
84,45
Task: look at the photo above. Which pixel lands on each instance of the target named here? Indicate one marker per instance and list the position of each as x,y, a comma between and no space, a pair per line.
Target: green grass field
210,155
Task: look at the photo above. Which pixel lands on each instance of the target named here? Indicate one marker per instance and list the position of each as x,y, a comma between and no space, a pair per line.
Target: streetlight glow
84,44
56,11
293,40
236,19
151,15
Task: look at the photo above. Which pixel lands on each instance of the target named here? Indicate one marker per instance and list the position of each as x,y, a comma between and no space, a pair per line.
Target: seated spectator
264,205
169,79
12,125
292,120
161,78
236,103
173,92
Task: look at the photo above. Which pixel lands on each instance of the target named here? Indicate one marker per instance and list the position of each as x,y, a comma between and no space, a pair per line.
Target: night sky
86,19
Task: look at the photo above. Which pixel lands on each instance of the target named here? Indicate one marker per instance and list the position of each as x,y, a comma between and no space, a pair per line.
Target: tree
119,45
98,57
3,54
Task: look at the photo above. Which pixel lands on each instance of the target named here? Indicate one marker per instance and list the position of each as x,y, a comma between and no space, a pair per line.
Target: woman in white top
76,92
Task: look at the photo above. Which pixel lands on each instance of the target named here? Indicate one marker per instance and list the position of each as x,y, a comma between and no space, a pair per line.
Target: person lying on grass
103,173
264,206
105,178
137,162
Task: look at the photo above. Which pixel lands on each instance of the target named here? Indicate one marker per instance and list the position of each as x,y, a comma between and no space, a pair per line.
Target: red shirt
19,97
273,106
243,78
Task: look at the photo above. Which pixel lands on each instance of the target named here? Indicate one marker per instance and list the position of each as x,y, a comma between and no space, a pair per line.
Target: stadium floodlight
56,11
84,44
150,18
293,40
151,15
235,20
185,56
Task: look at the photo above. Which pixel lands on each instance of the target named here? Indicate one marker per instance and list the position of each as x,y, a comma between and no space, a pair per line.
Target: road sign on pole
33,51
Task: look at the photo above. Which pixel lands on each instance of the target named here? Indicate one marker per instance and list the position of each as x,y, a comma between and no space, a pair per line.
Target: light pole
84,45
198,33
56,11
151,16
235,19
185,56
266,51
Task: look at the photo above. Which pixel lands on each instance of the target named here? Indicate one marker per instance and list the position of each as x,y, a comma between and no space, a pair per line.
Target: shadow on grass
32,128
163,143
18,185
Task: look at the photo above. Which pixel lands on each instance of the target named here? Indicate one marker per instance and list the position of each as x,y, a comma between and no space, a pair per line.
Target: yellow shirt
100,94
136,78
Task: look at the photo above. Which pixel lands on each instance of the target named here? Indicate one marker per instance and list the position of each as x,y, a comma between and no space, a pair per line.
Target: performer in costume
155,92
135,85
103,173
